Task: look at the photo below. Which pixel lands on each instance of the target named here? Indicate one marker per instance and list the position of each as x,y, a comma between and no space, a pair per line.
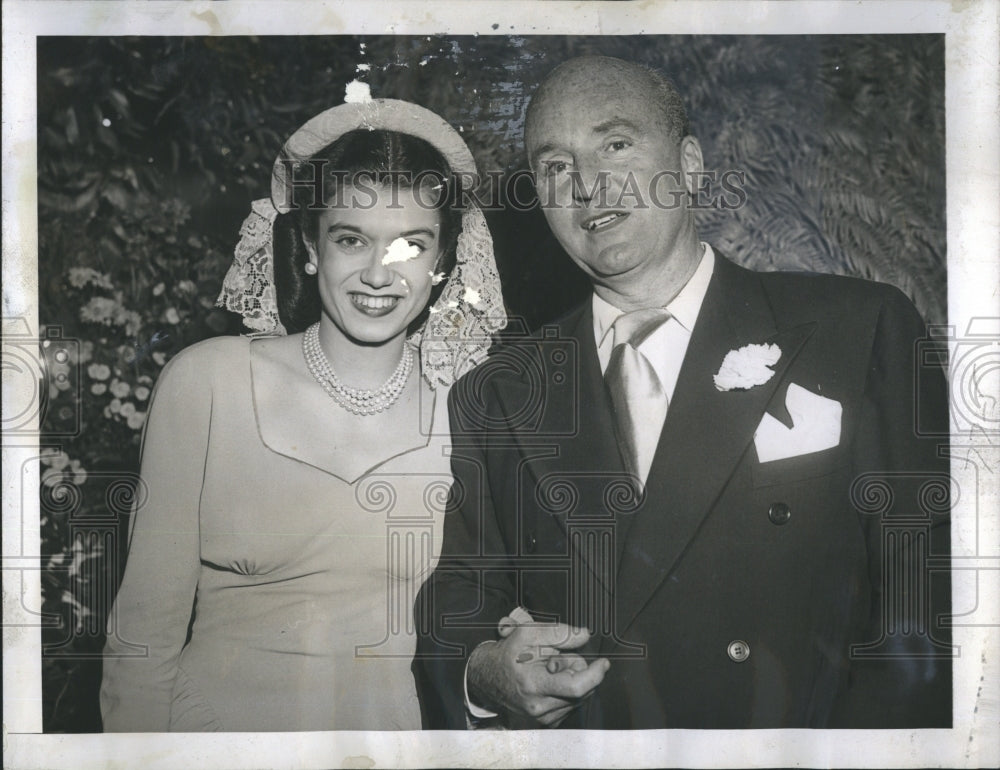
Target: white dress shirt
664,349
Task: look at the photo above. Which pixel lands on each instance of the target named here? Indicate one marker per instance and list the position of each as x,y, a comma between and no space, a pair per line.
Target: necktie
637,396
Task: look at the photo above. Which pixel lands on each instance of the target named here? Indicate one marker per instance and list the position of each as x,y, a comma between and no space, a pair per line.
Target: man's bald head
614,168
595,73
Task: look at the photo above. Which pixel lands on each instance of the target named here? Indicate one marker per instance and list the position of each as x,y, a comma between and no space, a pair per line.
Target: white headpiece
459,329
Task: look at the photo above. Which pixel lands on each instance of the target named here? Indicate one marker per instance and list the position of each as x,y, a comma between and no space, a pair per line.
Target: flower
127,410
118,388
141,393
115,406
81,276
99,310
131,320
136,420
159,289
81,354
111,312
171,316
79,474
747,367
62,470
98,388
159,358
187,287
99,371
56,458
52,477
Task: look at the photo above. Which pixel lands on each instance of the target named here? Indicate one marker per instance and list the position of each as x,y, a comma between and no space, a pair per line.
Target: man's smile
603,221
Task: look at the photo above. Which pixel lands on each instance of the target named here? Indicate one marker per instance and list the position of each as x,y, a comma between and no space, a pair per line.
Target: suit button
738,650
779,513
530,543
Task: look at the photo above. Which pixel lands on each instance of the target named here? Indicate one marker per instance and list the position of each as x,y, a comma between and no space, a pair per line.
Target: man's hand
528,675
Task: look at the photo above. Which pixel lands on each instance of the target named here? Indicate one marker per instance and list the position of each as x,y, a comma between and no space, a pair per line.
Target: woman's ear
311,251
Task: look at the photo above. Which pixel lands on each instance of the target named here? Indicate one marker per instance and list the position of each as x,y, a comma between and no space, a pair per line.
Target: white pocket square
815,426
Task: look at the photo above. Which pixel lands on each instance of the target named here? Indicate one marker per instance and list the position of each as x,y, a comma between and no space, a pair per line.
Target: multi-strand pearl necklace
354,400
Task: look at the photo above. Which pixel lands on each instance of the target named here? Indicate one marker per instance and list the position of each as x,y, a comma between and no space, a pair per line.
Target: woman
294,482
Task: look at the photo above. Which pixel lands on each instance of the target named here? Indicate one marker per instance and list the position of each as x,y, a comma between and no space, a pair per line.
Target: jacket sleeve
472,587
900,675
149,620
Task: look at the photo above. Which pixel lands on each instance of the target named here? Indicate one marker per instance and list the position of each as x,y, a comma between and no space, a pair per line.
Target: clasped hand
530,675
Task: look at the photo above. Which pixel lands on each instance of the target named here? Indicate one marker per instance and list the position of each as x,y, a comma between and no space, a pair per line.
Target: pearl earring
310,268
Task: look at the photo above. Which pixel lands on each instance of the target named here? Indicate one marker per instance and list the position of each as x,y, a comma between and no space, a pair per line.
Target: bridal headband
459,328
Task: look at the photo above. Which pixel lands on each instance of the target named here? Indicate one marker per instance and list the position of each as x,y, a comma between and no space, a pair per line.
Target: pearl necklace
354,400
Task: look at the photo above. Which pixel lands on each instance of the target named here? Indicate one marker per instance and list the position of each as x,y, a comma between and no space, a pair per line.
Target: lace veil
460,325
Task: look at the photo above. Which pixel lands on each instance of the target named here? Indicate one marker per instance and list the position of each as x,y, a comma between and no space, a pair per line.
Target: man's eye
619,144
553,167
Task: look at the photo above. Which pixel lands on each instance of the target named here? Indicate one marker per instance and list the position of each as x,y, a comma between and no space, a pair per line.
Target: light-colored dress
300,584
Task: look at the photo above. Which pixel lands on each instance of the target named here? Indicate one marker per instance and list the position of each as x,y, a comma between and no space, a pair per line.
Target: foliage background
150,151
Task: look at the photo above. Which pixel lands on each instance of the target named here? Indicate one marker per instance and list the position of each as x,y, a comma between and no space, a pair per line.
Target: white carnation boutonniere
747,367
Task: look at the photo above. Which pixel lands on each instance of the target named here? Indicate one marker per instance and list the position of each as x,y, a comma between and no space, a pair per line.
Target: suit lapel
706,431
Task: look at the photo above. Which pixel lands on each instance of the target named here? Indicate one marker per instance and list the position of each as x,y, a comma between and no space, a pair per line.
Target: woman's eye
417,244
349,242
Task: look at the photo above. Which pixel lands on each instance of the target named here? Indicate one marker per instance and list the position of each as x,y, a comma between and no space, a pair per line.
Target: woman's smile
373,305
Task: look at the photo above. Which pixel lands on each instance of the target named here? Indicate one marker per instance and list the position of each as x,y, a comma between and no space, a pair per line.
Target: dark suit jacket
830,568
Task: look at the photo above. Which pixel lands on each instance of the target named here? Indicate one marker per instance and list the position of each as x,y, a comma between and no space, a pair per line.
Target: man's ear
692,164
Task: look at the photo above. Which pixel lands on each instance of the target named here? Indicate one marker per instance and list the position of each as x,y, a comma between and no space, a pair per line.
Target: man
699,501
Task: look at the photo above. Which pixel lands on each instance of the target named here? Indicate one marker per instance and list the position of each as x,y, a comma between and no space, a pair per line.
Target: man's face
611,179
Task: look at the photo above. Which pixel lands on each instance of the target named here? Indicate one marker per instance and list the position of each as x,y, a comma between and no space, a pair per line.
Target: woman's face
375,263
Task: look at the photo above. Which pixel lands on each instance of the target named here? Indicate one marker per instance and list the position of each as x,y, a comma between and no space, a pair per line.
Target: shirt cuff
475,714
475,711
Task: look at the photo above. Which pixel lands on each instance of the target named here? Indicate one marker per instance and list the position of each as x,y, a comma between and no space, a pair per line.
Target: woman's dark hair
380,158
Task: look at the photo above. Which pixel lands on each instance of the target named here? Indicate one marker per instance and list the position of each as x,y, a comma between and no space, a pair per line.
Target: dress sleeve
149,620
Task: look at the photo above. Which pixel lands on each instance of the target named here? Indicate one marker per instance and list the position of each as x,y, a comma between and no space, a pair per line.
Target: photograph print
457,382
